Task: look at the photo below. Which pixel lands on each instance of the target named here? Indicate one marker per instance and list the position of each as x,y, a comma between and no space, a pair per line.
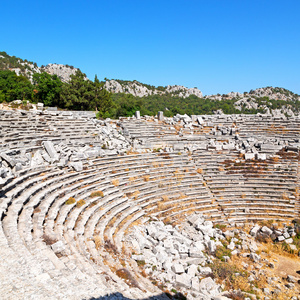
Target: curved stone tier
62,227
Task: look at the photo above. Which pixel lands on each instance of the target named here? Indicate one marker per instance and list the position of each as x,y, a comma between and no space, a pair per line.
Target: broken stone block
291,278
137,114
211,246
192,270
58,247
183,280
207,284
49,147
266,230
255,230
195,283
160,115
77,165
249,156
289,241
177,268
195,252
255,257
205,270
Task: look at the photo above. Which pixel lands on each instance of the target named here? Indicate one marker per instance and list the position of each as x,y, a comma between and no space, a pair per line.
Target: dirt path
287,266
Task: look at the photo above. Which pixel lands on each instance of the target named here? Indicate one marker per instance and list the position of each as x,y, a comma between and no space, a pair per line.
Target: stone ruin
128,208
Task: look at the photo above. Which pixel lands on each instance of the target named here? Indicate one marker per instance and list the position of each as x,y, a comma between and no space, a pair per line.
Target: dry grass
80,203
36,210
71,200
131,179
221,169
243,196
135,194
115,182
146,178
127,277
97,194
165,198
182,195
155,165
48,240
200,171
285,196
98,242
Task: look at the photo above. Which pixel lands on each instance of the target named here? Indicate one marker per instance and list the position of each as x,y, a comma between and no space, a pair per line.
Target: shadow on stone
163,296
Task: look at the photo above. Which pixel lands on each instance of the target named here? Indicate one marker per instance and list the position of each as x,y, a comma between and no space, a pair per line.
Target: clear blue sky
218,46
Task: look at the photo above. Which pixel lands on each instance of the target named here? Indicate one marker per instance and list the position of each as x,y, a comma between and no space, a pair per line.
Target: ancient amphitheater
76,193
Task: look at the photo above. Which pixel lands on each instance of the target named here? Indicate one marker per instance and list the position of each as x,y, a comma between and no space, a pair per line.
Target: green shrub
222,251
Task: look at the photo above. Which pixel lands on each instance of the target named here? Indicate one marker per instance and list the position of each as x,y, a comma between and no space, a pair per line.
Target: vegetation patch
128,278
71,200
80,203
97,194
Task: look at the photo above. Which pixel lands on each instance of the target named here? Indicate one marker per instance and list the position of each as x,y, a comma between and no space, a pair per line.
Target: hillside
139,89
67,87
28,68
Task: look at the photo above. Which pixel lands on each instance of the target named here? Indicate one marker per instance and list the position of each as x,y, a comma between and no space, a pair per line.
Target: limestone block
261,156
281,238
177,268
211,246
58,247
77,166
205,270
249,156
160,115
207,284
266,230
195,252
255,230
195,283
192,270
49,147
137,114
183,280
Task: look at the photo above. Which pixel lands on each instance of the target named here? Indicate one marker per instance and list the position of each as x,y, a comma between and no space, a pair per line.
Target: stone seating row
59,220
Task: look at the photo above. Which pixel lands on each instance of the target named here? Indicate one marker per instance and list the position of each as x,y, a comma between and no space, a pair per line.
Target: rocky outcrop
62,71
140,90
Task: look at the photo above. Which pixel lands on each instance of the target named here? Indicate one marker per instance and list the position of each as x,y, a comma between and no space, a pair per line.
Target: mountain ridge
175,98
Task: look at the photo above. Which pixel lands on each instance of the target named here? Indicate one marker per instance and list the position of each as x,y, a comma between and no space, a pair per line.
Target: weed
165,198
71,200
110,247
115,182
48,240
200,171
80,203
96,194
146,178
128,278
221,226
140,263
222,251
98,241
37,210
